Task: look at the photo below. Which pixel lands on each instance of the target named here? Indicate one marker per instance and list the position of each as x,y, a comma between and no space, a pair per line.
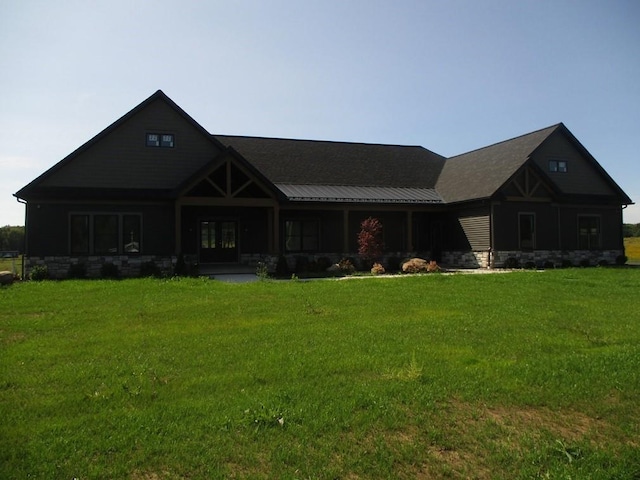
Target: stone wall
537,258
127,266
130,266
557,258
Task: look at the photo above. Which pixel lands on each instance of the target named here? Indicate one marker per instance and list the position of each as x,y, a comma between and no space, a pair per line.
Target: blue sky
450,75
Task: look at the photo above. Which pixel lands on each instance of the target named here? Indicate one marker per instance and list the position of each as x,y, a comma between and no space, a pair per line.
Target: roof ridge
342,142
551,128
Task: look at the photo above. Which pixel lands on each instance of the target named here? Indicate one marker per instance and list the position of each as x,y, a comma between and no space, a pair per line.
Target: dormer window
558,166
165,140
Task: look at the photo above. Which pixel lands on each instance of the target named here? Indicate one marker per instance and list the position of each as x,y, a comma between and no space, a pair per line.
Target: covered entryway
218,241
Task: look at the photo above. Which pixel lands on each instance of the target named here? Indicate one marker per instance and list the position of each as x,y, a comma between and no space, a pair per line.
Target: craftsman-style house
155,186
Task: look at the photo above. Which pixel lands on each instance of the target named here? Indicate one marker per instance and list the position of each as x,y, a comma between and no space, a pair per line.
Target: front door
218,241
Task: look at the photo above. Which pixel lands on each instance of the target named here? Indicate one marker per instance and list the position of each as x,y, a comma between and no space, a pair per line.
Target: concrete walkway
233,273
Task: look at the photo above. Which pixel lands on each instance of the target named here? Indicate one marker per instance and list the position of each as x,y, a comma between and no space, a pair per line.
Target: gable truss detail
228,181
527,185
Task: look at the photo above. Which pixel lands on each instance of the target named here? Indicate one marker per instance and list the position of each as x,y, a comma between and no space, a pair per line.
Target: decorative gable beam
527,186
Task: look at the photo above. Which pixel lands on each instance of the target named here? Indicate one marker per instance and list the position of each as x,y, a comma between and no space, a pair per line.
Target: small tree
370,243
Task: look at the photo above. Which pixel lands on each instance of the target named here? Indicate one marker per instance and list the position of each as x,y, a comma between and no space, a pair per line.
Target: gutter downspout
491,239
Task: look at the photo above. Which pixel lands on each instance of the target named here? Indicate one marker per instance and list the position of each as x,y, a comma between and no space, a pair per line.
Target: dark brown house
156,186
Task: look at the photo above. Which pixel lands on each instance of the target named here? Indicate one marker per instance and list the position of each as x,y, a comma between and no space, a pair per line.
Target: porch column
274,230
345,231
409,231
178,228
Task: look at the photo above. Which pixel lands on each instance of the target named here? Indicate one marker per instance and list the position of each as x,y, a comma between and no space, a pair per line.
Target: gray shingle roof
480,173
311,162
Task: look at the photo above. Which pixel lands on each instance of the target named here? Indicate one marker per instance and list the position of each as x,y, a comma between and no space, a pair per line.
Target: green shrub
262,271
512,262
77,270
109,270
282,267
150,269
323,263
39,272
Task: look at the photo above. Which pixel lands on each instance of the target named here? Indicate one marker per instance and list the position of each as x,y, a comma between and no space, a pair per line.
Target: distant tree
370,245
631,230
12,238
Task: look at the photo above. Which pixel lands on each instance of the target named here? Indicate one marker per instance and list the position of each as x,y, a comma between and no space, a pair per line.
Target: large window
301,235
588,232
104,233
527,231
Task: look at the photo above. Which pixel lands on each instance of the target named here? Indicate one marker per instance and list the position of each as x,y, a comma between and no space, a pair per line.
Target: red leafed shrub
370,243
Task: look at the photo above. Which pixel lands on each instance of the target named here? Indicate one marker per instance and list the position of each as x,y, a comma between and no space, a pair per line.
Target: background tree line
12,238
631,230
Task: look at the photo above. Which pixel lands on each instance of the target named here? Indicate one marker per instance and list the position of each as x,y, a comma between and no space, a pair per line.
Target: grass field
507,376
632,249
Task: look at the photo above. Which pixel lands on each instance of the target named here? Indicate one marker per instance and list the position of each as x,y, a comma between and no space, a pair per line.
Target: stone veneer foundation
539,258
130,266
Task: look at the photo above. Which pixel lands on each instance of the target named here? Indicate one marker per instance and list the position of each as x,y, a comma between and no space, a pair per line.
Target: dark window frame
302,241
87,239
160,140
522,245
558,165
589,232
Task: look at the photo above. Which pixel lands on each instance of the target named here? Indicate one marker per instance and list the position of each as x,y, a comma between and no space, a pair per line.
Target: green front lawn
517,375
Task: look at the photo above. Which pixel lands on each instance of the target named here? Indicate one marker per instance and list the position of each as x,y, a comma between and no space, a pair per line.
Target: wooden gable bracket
228,180
530,187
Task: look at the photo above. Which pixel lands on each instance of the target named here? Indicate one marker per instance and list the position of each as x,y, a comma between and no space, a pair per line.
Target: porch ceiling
359,194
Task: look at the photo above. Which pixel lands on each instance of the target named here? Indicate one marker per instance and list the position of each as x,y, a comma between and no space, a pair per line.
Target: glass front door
218,241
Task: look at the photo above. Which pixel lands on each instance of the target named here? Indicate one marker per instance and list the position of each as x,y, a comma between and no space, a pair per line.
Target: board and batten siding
477,229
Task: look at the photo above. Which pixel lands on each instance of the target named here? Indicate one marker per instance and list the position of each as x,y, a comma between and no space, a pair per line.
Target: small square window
558,166
153,140
167,141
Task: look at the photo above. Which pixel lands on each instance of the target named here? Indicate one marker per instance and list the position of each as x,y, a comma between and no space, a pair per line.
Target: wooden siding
121,159
468,229
506,228
581,177
610,225
476,228
556,226
48,226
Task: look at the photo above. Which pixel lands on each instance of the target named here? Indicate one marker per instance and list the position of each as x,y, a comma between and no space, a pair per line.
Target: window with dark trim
79,233
527,231
165,140
588,232
558,166
105,233
301,235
